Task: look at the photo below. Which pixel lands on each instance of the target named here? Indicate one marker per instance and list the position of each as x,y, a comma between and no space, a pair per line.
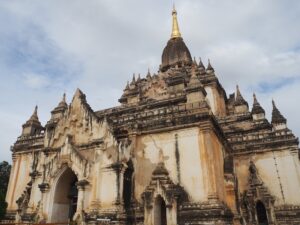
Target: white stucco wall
190,161
210,98
20,176
288,170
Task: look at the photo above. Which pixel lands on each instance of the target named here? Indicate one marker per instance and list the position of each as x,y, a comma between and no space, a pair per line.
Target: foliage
4,178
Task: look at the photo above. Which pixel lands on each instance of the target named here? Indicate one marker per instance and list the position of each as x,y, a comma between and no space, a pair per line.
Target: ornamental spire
33,125
133,79
63,102
34,116
209,67
239,100
195,62
256,109
148,74
127,86
277,117
139,78
201,63
175,27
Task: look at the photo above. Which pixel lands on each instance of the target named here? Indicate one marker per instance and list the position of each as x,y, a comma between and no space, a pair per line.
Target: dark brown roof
175,53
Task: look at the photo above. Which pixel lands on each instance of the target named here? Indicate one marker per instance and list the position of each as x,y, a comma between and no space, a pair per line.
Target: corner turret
201,67
278,120
209,68
131,93
240,104
56,114
148,76
60,109
33,125
195,90
258,113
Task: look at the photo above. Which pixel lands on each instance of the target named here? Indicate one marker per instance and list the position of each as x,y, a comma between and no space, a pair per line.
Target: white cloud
36,81
59,45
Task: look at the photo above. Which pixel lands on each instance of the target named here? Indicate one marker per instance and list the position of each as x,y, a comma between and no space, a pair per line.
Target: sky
54,46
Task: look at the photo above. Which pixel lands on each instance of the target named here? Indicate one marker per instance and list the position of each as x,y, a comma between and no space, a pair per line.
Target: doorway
261,214
65,197
160,212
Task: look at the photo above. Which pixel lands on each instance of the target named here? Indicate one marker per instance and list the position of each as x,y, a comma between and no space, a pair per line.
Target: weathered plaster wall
193,163
147,157
108,189
20,178
215,100
210,98
288,173
212,163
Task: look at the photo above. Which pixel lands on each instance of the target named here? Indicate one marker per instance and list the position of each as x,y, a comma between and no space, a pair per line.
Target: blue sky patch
267,87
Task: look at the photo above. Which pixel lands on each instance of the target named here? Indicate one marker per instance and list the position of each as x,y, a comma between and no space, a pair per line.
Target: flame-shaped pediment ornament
71,157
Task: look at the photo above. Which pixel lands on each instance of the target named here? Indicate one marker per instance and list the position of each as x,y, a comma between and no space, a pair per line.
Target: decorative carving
23,200
215,212
256,191
183,95
162,184
70,156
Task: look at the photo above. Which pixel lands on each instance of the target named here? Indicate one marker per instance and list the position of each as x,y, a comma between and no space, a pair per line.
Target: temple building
176,150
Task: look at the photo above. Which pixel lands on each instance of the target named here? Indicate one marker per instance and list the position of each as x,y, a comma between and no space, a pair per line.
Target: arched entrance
160,212
261,213
65,197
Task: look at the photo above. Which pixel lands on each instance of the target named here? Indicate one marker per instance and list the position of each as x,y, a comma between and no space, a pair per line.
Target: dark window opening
261,214
163,213
128,186
160,217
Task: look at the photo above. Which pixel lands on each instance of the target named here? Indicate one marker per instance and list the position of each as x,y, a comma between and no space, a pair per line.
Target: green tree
4,178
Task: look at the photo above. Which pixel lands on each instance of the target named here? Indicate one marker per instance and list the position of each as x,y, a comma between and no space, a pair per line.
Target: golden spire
175,27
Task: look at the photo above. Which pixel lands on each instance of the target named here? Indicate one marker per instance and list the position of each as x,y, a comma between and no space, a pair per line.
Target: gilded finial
175,27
